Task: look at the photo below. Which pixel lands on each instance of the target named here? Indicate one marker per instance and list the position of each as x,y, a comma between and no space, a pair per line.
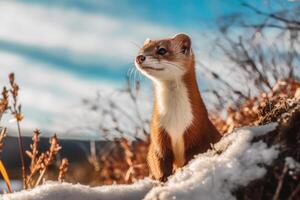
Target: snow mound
214,175
64,191
292,164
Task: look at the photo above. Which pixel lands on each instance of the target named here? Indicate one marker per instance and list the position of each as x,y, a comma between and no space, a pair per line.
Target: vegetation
39,161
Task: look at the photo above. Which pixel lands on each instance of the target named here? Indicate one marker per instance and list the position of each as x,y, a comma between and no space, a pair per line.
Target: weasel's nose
140,59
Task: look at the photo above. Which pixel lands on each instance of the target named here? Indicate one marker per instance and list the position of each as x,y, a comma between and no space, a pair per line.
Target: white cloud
52,94
74,32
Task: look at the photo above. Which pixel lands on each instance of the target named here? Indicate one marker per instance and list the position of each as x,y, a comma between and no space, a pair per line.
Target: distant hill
74,150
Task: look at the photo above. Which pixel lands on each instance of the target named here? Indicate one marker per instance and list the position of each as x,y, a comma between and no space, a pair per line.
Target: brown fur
199,135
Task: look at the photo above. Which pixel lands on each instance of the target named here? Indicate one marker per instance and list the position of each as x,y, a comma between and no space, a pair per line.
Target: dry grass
3,171
16,112
3,108
63,169
261,109
3,134
123,162
39,161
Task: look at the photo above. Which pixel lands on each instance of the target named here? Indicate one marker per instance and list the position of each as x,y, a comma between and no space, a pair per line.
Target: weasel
180,126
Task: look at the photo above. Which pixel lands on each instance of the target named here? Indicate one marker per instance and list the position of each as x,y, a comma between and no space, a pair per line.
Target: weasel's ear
147,41
186,42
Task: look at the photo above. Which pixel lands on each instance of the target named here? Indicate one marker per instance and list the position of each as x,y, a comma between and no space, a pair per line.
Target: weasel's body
180,125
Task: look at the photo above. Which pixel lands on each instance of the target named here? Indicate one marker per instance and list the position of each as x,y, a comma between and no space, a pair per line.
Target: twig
16,111
34,147
49,157
3,134
295,192
63,168
36,162
280,182
4,102
92,158
271,15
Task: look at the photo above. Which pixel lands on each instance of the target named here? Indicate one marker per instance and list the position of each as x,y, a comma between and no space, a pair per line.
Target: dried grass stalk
63,168
49,158
3,134
4,105
16,111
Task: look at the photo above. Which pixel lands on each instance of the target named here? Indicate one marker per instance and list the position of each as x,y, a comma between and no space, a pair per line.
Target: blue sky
64,50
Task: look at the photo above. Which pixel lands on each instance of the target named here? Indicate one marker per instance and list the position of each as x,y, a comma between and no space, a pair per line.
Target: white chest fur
175,114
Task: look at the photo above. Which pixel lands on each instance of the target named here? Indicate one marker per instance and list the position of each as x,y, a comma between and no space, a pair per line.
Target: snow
64,191
292,164
214,175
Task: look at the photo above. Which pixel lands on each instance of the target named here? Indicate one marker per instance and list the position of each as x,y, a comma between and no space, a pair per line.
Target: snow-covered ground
210,176
65,191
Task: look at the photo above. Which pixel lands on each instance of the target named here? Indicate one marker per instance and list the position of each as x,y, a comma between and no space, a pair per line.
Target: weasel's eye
161,51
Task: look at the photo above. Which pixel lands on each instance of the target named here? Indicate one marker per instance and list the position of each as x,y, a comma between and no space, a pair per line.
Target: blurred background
74,63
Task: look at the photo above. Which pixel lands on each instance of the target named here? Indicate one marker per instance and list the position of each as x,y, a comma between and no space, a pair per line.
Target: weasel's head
166,59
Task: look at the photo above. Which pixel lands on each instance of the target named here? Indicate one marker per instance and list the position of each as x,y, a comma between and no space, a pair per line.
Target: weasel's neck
169,94
182,92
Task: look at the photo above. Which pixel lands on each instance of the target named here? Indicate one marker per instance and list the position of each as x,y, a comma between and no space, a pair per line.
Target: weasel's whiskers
131,75
128,72
135,78
171,64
